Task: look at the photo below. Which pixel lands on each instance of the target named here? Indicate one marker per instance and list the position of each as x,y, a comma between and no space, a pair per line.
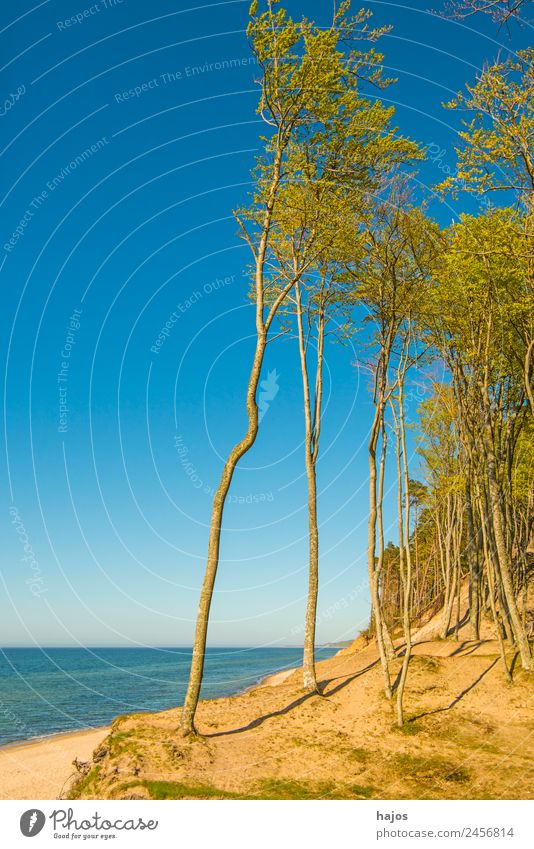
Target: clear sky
128,134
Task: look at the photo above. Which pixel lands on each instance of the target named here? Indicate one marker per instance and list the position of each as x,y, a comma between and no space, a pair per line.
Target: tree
321,308
482,273
388,282
501,11
497,152
497,155
366,152
310,102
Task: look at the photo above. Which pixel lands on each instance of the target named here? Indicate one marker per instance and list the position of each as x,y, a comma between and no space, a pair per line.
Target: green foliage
330,145
497,152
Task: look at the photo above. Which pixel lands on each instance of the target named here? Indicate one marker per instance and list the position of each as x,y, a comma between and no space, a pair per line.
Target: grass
408,729
273,789
83,783
419,768
298,741
469,733
120,741
426,664
357,754
177,790
277,788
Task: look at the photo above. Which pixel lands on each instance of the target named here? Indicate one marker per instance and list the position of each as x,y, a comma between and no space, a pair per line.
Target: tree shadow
348,679
457,698
463,621
470,648
514,664
255,723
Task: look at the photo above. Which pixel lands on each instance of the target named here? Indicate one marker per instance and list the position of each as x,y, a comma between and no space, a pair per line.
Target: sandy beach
43,769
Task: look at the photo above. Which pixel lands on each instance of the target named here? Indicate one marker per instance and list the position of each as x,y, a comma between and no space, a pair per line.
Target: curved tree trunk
490,571
237,452
450,574
506,576
405,555
206,594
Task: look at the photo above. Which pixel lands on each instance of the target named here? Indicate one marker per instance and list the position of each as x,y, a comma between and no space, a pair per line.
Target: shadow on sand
323,685
457,698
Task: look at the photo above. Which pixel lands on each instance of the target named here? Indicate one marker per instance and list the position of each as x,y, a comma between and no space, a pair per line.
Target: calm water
46,691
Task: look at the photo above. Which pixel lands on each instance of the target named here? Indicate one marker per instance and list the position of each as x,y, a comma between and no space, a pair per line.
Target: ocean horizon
53,690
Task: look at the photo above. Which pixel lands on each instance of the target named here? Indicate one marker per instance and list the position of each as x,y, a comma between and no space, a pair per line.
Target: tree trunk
450,575
312,428
406,573
490,571
386,636
458,565
474,567
500,544
237,452
528,380
201,629
371,547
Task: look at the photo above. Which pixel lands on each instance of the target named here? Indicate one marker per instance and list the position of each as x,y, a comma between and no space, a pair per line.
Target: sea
47,691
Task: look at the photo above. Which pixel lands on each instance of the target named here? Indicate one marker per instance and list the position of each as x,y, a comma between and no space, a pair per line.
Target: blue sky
128,136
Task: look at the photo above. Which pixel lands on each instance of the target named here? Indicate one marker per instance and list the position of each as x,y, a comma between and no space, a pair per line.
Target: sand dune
468,736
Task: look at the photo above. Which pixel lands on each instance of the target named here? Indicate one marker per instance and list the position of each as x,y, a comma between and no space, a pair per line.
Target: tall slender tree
324,136
321,309
387,283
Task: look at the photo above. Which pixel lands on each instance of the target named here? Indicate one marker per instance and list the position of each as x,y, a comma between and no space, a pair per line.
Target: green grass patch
277,788
120,742
409,729
428,664
273,789
84,783
178,790
357,754
430,769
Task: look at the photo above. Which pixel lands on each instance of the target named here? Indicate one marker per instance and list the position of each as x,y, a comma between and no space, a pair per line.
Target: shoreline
271,679
277,721
47,738
43,767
